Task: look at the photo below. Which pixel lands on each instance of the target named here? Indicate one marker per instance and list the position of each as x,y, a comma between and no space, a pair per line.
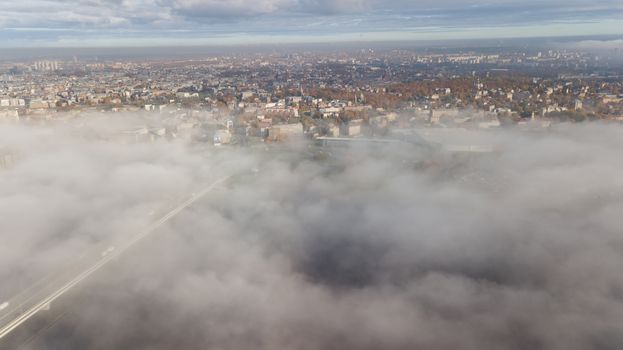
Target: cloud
165,22
235,8
175,13
516,249
76,14
336,7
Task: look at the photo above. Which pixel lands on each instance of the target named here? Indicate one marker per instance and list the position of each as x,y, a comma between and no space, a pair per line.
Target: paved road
22,307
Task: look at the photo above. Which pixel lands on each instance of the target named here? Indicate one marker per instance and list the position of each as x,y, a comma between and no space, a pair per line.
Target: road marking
8,328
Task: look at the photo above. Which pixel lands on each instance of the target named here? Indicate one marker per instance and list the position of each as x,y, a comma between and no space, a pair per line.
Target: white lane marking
108,251
142,234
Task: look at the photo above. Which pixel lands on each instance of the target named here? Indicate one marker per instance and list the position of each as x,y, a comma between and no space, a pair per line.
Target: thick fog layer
385,248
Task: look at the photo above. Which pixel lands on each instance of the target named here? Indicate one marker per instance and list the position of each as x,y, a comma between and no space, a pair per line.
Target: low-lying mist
520,248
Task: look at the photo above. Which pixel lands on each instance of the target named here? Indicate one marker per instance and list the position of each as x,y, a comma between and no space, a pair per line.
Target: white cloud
215,8
285,16
520,249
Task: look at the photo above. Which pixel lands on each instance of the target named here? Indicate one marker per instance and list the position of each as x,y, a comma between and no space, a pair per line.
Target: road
24,306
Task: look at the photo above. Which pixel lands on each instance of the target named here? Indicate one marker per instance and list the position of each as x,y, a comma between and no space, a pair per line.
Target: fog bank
520,248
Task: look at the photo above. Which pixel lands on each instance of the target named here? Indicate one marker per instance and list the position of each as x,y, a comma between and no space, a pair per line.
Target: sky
519,249
43,23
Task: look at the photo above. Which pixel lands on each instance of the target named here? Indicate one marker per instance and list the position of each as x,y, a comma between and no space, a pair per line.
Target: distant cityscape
270,97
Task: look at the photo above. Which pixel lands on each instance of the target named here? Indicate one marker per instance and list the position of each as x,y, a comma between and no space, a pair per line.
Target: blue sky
189,22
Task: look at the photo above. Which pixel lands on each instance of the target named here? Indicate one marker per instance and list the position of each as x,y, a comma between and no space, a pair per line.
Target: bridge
38,297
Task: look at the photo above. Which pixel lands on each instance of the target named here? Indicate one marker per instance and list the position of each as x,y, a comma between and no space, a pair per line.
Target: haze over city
310,174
